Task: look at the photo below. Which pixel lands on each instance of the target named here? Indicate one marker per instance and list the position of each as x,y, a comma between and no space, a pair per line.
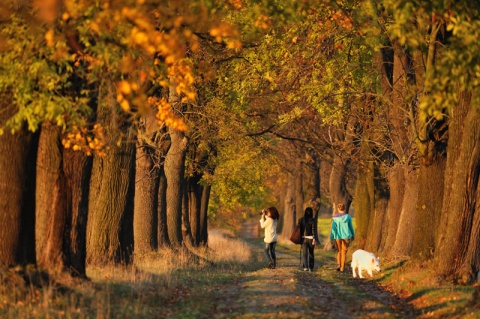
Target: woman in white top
269,221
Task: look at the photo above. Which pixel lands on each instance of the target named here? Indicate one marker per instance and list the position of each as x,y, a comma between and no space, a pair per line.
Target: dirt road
289,292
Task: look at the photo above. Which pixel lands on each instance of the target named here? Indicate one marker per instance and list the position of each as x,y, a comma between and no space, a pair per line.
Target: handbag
296,236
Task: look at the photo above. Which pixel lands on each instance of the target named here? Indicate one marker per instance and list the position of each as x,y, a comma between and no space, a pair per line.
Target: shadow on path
289,292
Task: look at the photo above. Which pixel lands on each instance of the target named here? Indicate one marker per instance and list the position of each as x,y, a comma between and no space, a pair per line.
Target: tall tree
147,177
111,191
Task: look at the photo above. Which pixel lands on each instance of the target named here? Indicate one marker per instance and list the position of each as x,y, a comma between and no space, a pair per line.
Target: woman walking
308,227
269,221
342,232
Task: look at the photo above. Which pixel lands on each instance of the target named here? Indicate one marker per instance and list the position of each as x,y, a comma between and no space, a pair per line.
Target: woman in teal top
342,232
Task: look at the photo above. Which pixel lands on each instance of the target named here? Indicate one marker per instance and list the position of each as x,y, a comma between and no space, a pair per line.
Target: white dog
364,261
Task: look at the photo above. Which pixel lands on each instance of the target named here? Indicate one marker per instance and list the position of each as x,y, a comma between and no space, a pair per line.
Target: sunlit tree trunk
51,201
400,177
364,203
111,190
147,170
290,214
338,189
431,145
299,196
456,252
174,173
396,184
429,208
403,237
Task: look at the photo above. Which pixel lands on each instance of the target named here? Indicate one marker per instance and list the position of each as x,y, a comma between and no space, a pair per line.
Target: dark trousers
308,259
270,253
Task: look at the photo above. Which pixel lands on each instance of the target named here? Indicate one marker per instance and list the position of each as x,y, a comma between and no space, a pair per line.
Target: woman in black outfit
308,227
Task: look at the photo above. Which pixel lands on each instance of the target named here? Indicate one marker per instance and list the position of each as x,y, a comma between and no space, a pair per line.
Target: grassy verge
165,284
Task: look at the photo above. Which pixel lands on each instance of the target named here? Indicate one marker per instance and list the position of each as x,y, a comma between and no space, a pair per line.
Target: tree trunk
429,208
162,231
186,226
364,203
195,191
147,169
396,183
77,167
458,240
16,192
111,191
299,197
290,214
338,190
403,238
312,182
174,173
51,201
378,217
204,215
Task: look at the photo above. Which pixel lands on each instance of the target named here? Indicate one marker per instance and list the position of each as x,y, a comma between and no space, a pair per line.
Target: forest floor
238,285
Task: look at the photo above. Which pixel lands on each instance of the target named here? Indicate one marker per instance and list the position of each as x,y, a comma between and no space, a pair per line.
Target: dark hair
273,212
341,207
308,212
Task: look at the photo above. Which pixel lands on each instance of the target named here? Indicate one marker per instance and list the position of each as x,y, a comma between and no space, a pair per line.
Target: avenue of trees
128,126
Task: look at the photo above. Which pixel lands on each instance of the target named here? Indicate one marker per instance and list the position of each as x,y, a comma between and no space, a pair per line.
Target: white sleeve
265,222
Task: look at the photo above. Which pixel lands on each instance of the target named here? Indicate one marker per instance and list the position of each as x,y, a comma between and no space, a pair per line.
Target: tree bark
299,197
429,208
195,191
147,173
51,205
396,183
364,203
407,220
338,189
290,214
162,231
174,173
111,190
77,167
204,215
17,189
458,240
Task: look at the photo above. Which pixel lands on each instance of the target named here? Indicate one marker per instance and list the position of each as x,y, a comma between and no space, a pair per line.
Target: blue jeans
270,253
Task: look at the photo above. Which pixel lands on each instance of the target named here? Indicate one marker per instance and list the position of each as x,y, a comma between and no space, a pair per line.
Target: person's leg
267,253
311,257
344,247
272,253
305,255
339,252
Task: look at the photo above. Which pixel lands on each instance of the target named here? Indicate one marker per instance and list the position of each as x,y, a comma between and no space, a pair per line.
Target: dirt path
288,292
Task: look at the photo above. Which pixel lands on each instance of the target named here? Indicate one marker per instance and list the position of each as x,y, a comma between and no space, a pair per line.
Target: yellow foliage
49,38
125,105
165,114
263,22
124,87
87,141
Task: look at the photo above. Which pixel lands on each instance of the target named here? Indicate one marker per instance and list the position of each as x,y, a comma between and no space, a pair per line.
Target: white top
270,226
